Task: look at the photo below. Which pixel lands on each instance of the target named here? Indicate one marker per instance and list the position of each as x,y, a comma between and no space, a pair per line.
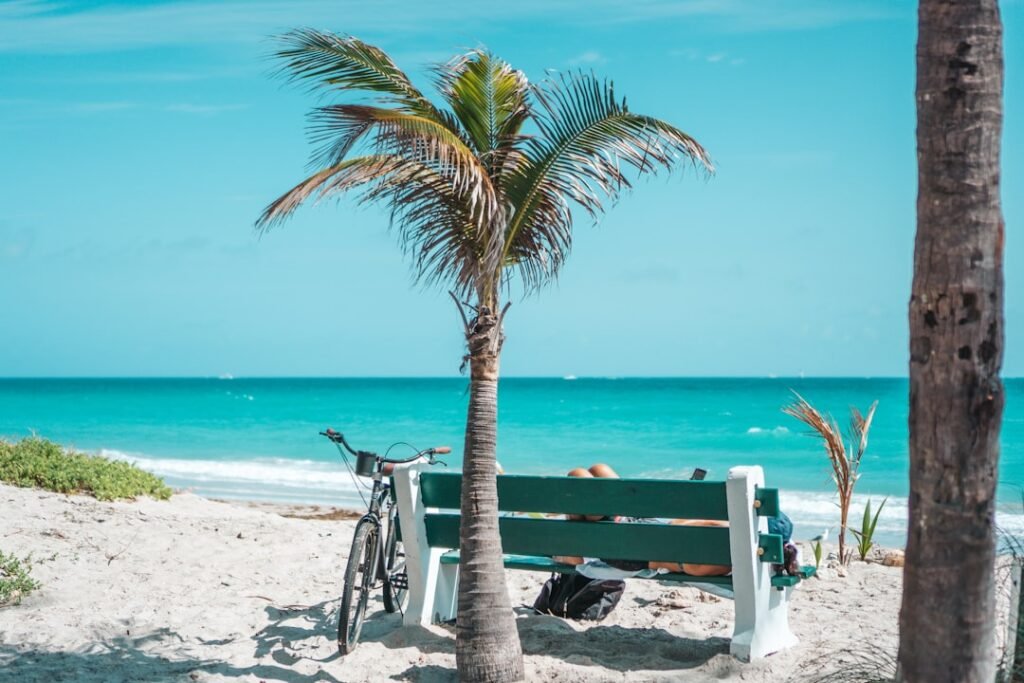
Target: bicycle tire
394,564
359,578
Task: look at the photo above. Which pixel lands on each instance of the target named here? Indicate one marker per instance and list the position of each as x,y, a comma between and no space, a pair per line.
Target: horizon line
229,377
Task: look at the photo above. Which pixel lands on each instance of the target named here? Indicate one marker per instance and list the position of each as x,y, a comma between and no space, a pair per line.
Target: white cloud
53,27
588,57
693,54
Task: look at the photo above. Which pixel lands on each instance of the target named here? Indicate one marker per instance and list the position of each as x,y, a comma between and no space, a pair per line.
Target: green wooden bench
428,509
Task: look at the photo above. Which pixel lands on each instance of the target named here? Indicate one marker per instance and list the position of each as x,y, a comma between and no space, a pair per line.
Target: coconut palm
947,628
482,187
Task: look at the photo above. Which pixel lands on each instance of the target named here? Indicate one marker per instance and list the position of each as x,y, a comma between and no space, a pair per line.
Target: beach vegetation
859,664
817,550
866,533
482,184
844,459
15,579
38,462
1010,587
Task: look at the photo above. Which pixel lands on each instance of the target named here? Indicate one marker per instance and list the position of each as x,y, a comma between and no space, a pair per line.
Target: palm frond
435,223
338,128
860,425
590,144
832,438
334,179
469,194
488,98
347,63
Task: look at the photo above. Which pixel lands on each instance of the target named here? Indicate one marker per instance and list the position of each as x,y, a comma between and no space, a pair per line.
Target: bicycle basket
366,464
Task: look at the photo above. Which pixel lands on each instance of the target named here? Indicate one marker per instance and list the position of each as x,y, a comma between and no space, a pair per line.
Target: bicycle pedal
400,581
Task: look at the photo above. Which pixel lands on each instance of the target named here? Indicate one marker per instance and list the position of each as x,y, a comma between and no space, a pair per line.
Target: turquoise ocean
258,438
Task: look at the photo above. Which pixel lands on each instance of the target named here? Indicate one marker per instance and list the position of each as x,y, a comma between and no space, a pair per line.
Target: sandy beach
200,590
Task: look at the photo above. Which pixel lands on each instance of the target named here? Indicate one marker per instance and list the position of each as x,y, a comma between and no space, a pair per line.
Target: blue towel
781,525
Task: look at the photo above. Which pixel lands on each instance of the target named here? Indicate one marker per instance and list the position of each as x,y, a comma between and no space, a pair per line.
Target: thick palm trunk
947,619
487,642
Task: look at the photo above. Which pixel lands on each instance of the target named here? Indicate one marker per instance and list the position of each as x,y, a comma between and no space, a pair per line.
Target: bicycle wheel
396,582
359,579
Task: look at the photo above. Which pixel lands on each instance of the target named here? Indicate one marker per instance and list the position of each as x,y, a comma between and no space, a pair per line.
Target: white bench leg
446,597
762,618
422,563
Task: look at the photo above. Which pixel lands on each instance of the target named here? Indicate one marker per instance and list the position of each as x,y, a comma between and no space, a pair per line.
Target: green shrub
37,462
15,582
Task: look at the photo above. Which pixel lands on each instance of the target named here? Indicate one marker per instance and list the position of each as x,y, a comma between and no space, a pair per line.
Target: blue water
257,438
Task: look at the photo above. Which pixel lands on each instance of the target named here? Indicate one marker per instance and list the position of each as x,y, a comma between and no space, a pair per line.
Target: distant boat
226,375
569,377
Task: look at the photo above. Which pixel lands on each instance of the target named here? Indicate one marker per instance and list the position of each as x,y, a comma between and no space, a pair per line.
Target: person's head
599,470
602,470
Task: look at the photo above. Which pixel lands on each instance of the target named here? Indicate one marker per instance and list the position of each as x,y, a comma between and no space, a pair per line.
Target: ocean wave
309,481
259,478
814,511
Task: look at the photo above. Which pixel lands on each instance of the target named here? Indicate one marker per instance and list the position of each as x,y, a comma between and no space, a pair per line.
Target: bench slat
546,564
768,500
570,495
607,540
771,544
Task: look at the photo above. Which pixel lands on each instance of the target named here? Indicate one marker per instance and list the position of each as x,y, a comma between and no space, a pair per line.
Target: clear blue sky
140,140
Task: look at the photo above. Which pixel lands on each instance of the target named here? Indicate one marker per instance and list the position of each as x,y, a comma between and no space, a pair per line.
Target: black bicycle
371,563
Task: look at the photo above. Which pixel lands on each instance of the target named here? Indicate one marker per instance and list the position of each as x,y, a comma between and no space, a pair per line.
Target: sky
139,141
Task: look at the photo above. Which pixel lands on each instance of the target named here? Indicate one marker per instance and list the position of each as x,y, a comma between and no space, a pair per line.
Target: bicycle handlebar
338,438
429,453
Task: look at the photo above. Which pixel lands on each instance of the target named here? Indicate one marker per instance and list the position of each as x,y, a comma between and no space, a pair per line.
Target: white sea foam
310,481
776,431
813,511
260,479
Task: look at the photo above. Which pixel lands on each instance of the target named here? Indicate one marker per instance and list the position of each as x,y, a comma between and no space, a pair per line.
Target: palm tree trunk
487,641
947,629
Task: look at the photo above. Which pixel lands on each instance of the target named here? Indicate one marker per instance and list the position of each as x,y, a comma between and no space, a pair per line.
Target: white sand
199,590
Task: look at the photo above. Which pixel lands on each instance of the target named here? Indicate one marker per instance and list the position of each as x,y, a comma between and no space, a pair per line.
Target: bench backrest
647,498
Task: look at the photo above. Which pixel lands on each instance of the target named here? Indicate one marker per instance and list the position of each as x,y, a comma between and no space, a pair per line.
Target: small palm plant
845,461
481,187
865,537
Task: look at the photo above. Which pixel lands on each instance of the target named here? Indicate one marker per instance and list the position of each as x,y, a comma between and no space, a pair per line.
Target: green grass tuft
866,535
15,582
40,463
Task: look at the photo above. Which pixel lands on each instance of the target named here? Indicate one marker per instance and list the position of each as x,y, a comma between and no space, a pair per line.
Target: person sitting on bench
777,525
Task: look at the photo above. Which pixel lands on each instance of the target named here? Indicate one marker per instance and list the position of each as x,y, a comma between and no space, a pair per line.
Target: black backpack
576,597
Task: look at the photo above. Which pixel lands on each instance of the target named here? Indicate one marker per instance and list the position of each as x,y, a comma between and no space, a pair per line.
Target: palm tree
476,198
947,623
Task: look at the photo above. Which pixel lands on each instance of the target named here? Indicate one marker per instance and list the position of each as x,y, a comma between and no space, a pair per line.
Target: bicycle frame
374,547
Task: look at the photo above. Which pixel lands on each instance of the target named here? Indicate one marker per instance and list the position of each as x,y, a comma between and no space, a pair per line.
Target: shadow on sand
157,657
299,641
